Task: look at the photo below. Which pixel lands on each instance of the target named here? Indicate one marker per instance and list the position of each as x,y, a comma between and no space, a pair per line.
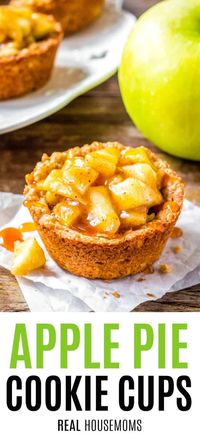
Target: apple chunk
101,214
104,161
28,255
133,156
81,177
54,183
52,198
132,193
143,172
67,213
134,218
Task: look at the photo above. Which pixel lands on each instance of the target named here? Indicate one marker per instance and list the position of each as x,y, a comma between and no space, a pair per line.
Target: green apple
159,76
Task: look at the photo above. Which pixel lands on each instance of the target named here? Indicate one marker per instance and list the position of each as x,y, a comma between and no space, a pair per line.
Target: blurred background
136,5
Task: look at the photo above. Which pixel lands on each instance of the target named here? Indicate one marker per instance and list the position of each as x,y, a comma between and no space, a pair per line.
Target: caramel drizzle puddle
9,236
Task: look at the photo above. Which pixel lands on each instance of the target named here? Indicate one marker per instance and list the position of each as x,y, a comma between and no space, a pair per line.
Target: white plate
83,61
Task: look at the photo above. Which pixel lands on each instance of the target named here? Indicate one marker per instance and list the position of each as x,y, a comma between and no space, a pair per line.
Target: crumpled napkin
53,289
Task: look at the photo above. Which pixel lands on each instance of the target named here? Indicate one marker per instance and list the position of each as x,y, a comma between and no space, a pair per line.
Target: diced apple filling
52,198
81,177
142,171
133,156
21,27
42,25
104,161
115,180
101,214
134,218
55,184
108,189
67,213
28,255
132,193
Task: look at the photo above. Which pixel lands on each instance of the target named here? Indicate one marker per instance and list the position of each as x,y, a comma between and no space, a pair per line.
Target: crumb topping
165,268
176,249
116,294
176,233
150,295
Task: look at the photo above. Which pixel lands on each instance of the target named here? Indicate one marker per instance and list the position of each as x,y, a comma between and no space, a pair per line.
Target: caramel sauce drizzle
9,236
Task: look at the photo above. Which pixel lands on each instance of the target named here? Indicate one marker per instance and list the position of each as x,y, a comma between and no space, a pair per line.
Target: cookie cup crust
99,257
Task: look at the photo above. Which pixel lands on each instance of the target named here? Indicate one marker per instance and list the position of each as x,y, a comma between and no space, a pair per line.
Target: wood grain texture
98,115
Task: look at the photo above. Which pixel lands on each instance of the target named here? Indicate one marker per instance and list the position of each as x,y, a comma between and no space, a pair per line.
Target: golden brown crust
73,15
30,68
99,257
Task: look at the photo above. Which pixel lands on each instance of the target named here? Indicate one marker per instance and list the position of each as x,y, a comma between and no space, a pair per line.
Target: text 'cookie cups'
28,45
72,14
104,210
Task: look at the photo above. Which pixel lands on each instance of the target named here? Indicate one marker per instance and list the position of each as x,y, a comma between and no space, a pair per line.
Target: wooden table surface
98,115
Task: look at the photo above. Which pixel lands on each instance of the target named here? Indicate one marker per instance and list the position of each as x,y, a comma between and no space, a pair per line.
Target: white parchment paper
53,289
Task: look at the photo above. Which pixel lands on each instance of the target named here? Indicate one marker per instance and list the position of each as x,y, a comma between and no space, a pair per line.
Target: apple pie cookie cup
96,256
26,64
72,14
29,70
